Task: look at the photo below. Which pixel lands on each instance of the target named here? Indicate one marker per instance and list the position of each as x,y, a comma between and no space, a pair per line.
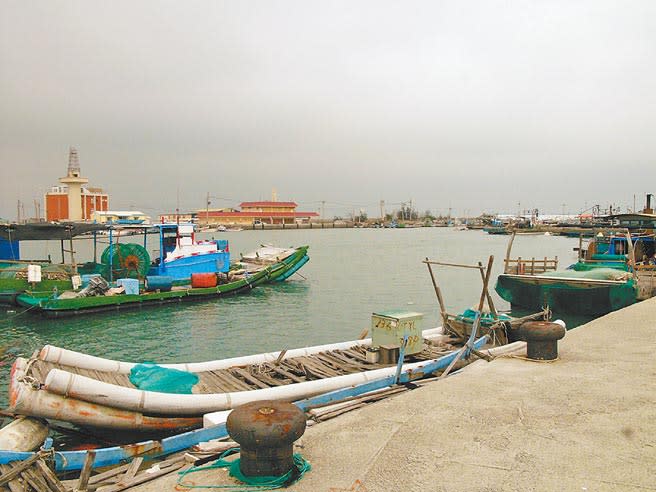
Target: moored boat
245,278
179,255
605,278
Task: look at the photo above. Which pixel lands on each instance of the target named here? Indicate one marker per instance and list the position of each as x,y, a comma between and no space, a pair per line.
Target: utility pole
382,210
177,206
207,209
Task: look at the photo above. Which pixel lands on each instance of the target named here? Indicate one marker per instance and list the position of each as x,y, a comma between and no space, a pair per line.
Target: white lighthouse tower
74,182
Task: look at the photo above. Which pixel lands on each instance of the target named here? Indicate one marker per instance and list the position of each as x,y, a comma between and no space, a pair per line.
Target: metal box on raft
86,278
390,328
131,285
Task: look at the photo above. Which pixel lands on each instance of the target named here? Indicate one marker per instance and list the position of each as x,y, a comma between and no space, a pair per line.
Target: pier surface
586,422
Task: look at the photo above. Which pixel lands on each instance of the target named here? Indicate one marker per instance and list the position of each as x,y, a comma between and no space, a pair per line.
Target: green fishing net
248,484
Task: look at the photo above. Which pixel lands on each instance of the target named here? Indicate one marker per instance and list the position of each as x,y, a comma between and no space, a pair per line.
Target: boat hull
87,305
567,296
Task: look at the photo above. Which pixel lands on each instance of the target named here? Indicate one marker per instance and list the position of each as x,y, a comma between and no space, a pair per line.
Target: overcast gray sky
478,105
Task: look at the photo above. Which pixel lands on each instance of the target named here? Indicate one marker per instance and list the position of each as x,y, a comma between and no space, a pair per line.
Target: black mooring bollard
541,339
266,431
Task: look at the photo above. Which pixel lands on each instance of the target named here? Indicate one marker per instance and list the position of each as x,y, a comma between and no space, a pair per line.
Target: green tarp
593,274
151,377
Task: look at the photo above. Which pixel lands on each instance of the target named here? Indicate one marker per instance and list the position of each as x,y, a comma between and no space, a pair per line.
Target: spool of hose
127,260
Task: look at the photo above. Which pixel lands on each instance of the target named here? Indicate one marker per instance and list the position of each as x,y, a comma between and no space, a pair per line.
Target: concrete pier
585,422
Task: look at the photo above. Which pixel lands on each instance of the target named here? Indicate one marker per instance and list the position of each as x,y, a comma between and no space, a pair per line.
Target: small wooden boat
94,392
247,277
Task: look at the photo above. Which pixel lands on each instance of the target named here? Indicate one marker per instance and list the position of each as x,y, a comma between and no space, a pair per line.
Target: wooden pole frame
508,249
438,293
477,321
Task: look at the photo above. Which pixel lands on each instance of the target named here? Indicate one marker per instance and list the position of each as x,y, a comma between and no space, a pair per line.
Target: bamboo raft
259,376
125,476
34,386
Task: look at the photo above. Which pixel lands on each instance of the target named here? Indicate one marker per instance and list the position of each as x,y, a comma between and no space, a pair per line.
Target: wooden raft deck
31,475
246,378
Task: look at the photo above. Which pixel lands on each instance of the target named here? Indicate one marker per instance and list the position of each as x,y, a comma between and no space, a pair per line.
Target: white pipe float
23,398
150,402
58,355
23,434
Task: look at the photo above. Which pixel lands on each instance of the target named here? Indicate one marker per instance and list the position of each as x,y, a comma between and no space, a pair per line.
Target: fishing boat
178,256
95,392
605,278
99,296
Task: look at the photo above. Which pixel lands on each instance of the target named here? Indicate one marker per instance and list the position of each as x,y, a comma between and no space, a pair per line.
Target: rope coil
249,484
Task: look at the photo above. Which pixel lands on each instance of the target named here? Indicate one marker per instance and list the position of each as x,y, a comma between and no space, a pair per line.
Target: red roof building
271,212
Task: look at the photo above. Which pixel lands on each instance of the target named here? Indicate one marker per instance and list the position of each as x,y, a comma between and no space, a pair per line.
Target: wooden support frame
477,321
483,272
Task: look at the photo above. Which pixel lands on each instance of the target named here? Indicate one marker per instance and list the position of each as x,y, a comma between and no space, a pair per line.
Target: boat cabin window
169,244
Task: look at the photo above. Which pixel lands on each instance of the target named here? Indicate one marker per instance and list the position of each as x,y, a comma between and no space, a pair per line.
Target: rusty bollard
542,339
266,431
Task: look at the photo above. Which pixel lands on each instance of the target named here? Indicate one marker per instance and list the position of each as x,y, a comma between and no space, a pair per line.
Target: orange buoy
203,280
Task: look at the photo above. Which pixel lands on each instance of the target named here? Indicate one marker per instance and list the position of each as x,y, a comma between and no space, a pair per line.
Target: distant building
72,200
266,212
120,217
176,218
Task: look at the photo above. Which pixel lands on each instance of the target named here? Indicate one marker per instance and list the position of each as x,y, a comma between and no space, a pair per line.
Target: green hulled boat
64,304
606,277
587,292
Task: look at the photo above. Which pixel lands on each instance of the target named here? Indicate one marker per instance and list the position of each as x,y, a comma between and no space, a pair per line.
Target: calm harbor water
351,273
